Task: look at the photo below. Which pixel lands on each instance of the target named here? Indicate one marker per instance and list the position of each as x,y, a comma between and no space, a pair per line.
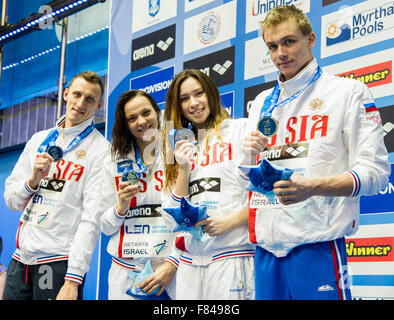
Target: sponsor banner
153,48
356,26
375,70
155,83
383,201
256,10
147,13
219,66
257,59
192,4
210,27
370,249
227,100
373,75
387,115
250,94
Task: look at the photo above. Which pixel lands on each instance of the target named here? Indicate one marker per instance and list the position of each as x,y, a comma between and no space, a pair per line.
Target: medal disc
131,177
267,126
55,152
184,134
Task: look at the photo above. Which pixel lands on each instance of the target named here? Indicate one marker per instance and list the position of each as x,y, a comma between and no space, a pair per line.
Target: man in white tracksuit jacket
329,132
58,228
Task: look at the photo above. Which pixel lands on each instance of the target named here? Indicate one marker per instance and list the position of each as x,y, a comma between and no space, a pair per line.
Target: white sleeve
17,191
173,257
363,135
110,220
88,231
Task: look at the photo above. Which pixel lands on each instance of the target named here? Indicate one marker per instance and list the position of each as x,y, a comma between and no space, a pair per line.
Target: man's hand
299,188
69,291
42,165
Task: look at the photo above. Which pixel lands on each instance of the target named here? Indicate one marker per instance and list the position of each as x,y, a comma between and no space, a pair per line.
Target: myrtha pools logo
353,25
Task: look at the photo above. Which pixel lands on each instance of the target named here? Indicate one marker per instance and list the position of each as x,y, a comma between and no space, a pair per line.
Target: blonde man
301,250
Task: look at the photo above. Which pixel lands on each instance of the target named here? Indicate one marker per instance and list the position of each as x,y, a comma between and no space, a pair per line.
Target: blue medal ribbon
138,159
139,163
50,140
271,101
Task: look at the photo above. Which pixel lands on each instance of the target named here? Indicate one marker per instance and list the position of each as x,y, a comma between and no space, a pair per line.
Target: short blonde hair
280,14
90,77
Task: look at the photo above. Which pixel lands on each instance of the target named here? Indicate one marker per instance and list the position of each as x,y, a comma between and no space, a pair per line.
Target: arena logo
372,76
150,49
285,152
209,27
387,128
153,48
144,211
387,115
370,249
219,65
358,25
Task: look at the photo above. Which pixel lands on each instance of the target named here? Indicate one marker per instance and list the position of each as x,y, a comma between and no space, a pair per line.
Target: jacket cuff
356,183
174,261
74,275
29,189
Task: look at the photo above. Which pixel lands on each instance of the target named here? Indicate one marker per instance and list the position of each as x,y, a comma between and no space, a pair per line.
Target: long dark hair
121,138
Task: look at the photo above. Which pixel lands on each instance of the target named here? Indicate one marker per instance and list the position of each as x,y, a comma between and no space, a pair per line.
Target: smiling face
289,49
82,99
141,117
194,102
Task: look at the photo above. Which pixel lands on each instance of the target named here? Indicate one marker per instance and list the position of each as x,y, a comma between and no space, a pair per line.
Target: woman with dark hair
130,197
219,265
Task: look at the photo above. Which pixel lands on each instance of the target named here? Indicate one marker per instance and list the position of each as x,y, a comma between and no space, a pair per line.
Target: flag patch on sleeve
369,105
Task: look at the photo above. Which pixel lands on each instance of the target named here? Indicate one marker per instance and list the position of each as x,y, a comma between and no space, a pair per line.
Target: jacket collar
73,130
298,82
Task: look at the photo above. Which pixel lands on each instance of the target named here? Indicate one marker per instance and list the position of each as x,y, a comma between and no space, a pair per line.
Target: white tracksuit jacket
141,234
59,219
215,182
331,128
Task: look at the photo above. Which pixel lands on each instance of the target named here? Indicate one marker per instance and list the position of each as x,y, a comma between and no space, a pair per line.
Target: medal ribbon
271,101
52,136
138,159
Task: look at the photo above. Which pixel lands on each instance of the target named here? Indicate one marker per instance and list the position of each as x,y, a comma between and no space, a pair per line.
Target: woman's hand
254,143
160,278
184,154
125,194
